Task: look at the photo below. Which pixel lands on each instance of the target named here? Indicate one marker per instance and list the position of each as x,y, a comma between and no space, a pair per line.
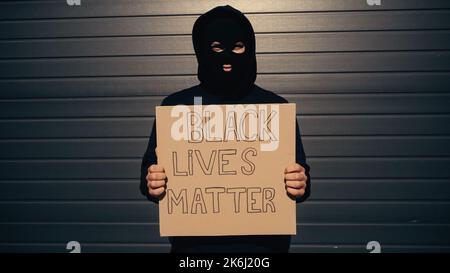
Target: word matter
255,200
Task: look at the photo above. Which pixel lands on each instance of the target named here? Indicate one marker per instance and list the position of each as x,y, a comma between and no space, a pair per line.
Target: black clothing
227,26
272,243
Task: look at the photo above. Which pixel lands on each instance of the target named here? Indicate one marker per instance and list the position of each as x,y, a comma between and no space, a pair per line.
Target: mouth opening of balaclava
227,26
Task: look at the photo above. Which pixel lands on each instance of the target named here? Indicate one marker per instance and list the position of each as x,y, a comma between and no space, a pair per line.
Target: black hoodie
226,25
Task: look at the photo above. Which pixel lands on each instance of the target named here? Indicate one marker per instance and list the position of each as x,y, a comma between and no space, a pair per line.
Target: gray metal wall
79,85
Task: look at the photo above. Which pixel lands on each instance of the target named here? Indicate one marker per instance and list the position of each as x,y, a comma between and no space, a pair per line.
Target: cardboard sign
225,168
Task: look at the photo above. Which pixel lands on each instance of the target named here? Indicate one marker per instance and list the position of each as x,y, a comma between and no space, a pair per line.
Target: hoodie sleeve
301,159
148,159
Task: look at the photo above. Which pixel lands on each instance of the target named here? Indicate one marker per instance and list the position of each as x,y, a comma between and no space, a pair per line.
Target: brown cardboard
201,199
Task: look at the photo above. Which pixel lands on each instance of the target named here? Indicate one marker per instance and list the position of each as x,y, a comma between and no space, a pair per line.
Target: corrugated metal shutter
79,85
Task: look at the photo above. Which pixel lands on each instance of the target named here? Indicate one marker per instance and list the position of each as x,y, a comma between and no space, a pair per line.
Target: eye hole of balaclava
238,47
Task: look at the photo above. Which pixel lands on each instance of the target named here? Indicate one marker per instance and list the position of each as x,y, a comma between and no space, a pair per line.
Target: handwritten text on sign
225,166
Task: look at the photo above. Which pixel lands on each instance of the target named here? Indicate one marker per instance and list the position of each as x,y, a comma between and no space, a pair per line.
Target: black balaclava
227,26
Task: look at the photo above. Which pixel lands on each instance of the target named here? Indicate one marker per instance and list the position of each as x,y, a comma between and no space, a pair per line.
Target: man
224,43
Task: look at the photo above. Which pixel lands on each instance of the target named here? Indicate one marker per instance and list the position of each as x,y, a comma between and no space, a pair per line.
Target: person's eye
239,48
217,47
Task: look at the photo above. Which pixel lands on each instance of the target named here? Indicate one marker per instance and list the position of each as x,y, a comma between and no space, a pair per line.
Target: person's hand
156,180
295,180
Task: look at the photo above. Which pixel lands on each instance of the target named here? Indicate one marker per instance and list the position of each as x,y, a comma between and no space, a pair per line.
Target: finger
294,168
156,192
157,176
295,176
295,192
295,184
156,168
154,184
